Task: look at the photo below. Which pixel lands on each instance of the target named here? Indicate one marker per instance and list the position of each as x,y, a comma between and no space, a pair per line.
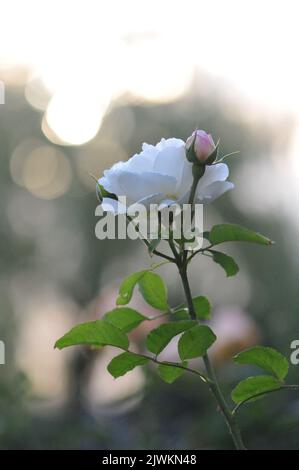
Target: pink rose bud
201,145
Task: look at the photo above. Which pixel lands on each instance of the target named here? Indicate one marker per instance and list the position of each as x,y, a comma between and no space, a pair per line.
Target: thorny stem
191,202
213,383
181,260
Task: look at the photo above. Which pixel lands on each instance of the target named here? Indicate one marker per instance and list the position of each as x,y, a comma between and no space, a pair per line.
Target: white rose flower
161,175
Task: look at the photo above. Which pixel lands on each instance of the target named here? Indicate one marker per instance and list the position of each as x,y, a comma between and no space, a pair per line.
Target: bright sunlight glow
87,53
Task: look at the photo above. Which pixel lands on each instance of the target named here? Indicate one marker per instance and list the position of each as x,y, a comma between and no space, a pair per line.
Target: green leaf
181,314
202,307
195,342
206,235
267,358
253,386
124,318
125,362
95,333
103,193
230,232
160,337
153,290
226,262
151,286
170,373
127,287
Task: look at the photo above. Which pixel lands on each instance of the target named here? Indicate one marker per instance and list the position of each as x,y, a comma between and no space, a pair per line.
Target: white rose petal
137,187
111,205
161,175
213,191
212,185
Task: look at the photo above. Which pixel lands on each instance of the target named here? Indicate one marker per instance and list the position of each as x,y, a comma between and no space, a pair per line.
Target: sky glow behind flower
85,55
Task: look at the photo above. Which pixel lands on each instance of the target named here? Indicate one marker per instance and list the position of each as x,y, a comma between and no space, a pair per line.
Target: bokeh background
86,82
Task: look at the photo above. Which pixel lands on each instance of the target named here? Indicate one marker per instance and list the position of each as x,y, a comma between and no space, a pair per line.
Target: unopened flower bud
201,147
